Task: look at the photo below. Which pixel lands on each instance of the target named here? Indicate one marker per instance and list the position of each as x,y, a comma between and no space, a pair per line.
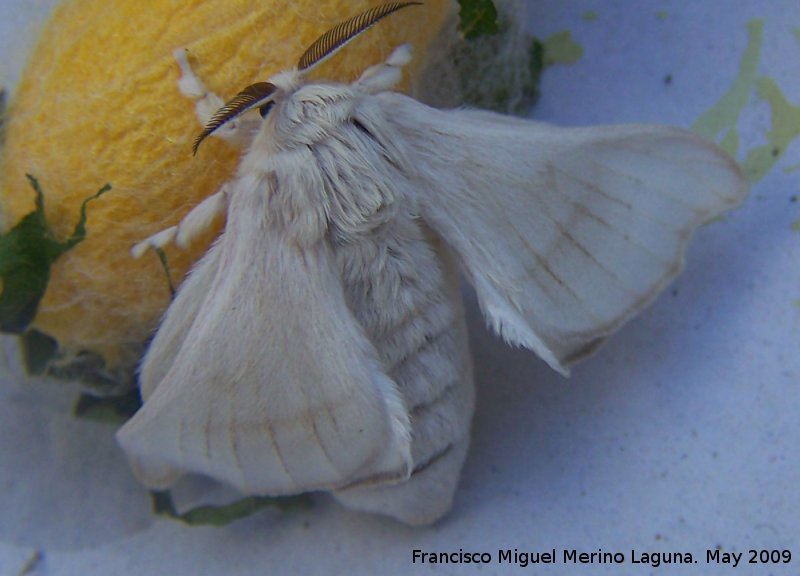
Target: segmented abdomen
402,287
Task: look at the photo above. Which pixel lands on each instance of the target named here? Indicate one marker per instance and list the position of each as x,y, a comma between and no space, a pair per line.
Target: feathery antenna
258,94
251,97
335,38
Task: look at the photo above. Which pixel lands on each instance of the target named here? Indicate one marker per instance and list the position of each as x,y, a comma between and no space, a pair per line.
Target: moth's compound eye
264,110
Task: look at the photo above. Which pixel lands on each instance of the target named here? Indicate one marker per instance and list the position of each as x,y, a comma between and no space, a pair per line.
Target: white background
682,434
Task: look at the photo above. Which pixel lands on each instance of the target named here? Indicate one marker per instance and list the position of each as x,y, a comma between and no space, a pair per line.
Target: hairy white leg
237,131
197,221
200,218
382,77
158,240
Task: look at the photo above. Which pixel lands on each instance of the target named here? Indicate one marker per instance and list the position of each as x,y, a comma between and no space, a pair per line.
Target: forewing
565,233
274,387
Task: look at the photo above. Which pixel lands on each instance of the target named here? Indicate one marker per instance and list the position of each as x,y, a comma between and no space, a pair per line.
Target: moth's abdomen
402,287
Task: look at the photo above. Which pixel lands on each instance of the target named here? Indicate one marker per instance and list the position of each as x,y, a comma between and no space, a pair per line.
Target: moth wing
565,233
274,387
177,323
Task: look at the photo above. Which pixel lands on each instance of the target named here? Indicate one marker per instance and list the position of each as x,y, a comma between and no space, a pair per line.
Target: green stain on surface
792,168
796,226
561,48
730,143
785,128
719,122
590,16
723,116
796,34
662,15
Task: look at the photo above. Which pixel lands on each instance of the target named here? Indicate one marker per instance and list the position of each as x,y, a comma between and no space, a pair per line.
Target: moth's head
263,95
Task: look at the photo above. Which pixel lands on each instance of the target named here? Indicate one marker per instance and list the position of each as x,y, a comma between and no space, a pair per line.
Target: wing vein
276,448
648,183
624,204
627,239
542,264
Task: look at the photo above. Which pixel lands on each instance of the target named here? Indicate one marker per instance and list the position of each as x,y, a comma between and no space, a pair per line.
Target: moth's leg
158,240
197,221
382,77
237,131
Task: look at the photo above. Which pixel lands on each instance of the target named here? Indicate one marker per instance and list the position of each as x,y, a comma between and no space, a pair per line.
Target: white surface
680,435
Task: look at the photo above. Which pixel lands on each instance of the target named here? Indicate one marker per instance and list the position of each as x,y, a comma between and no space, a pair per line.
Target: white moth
320,342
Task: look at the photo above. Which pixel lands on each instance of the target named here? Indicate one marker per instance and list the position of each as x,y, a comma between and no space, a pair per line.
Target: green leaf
536,67
109,410
27,252
477,17
38,349
42,355
89,368
223,515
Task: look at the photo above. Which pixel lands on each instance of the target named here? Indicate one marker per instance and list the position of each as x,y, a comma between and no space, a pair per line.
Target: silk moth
320,342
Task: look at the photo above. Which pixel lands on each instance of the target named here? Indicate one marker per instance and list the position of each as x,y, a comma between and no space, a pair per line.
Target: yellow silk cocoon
98,103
